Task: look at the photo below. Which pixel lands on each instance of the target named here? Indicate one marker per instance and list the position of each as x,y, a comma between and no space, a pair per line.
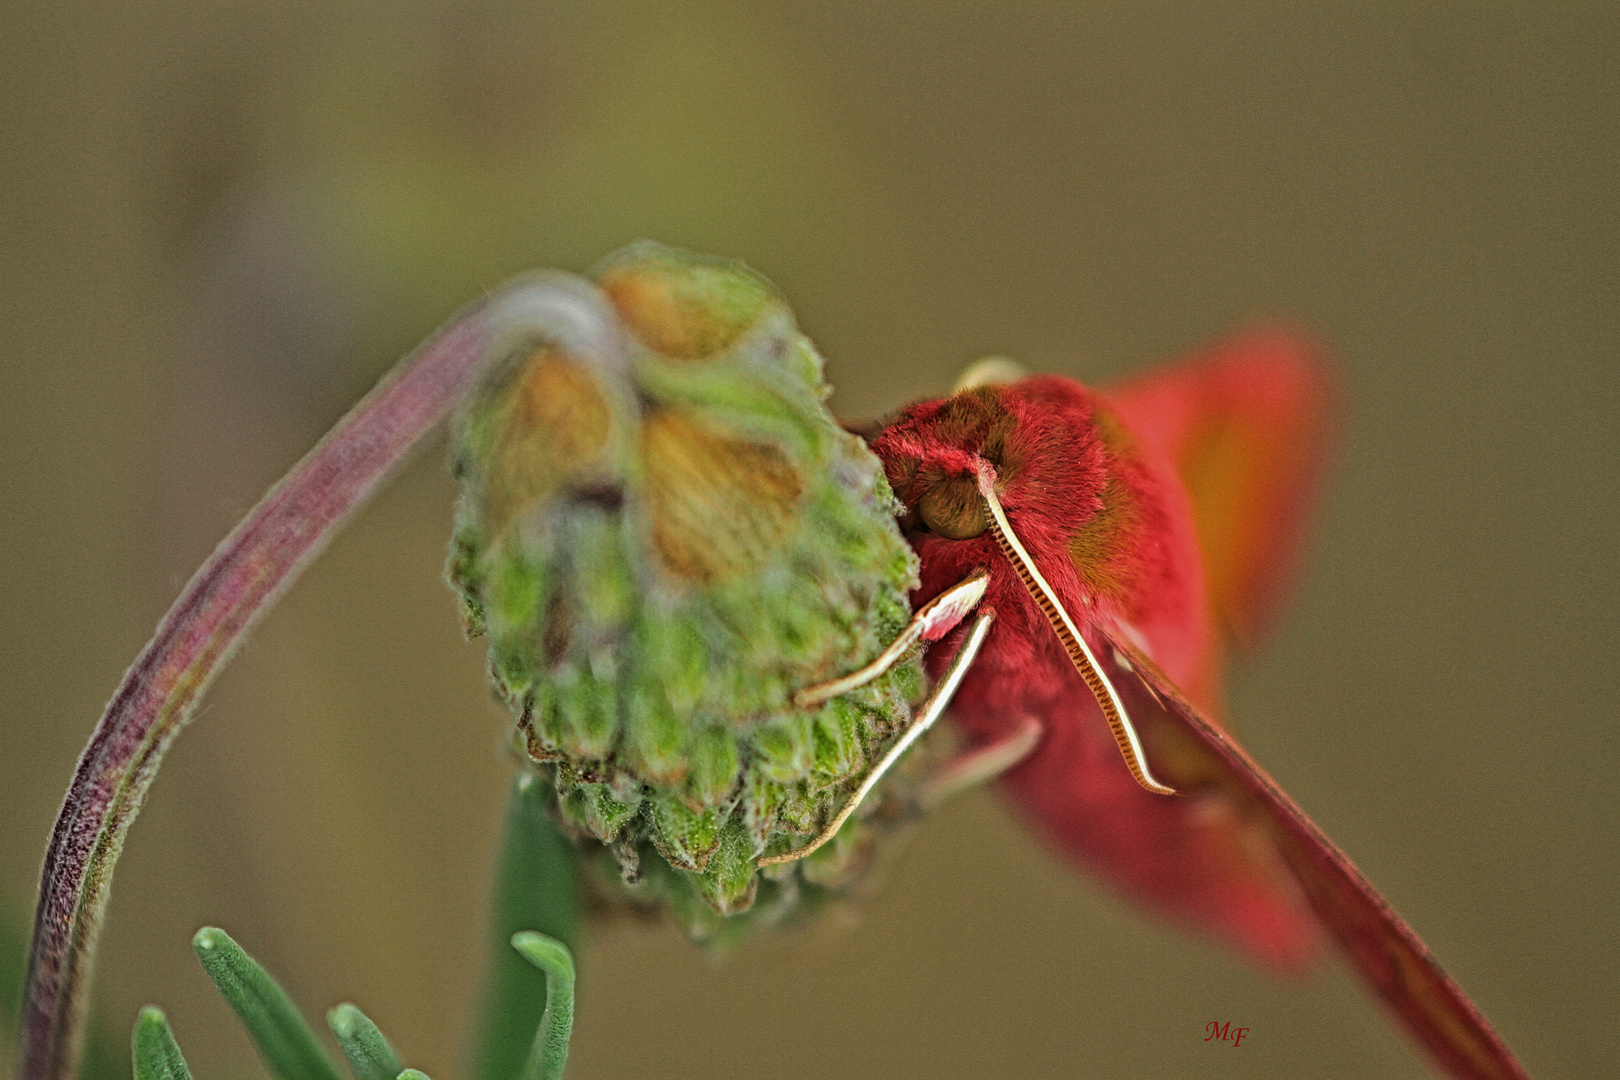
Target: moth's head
1039,436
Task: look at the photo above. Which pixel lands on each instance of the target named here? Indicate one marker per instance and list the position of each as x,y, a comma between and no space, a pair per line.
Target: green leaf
370,1056
412,1074
536,888
549,1053
157,1055
283,1036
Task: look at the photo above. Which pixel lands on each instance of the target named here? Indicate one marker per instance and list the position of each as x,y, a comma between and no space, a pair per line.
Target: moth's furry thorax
1067,473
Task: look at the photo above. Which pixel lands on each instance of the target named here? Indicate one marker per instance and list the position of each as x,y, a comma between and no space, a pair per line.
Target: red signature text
1224,1032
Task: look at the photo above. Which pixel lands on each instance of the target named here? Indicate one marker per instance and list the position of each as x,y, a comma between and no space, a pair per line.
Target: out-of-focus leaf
284,1038
157,1055
549,1054
536,888
370,1056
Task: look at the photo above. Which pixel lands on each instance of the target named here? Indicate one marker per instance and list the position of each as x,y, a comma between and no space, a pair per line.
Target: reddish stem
238,584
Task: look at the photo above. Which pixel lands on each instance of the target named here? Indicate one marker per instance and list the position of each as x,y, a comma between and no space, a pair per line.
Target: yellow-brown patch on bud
557,424
685,307
720,505
954,509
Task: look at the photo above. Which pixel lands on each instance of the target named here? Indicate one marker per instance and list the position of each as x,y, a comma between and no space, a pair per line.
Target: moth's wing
1379,943
1245,423
1205,861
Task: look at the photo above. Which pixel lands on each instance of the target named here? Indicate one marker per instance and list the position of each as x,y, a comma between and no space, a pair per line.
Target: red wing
1383,948
1245,424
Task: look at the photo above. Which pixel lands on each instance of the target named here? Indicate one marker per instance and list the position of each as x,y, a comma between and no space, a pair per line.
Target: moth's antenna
1113,709
931,710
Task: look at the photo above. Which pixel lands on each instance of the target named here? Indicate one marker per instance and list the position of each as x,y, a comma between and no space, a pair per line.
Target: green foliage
536,888
550,1051
157,1055
287,1043
284,1038
529,1004
369,1053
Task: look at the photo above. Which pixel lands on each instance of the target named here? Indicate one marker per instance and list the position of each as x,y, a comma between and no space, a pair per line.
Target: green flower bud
664,535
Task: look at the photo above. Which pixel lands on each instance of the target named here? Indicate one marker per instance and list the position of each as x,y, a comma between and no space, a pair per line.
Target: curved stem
235,587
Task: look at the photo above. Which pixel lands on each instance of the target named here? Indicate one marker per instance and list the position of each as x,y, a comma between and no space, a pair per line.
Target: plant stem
221,603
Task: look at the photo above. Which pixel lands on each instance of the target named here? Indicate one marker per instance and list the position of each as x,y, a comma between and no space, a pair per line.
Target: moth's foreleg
927,713
982,764
937,618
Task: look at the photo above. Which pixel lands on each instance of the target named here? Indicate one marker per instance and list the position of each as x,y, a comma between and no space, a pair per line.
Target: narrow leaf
221,603
536,888
157,1055
550,1051
370,1056
284,1038
411,1074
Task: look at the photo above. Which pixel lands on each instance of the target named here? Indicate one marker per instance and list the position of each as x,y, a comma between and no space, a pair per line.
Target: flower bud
664,535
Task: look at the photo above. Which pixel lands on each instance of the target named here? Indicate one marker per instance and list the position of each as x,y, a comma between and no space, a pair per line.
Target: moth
695,585
1120,533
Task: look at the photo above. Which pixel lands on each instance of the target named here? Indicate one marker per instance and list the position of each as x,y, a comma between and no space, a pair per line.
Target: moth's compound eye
953,509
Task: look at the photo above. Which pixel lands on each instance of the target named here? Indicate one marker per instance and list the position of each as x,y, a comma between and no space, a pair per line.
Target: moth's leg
936,619
1108,700
974,767
930,711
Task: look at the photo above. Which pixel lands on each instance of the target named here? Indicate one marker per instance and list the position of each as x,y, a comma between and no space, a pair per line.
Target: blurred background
220,222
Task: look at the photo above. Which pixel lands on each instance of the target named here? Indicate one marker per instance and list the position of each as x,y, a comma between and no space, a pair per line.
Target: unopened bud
662,547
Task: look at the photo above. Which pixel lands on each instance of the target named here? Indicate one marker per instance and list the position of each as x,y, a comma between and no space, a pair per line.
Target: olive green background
220,221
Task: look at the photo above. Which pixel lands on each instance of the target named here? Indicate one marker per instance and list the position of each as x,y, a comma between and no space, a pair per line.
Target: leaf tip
344,1020
208,939
546,953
